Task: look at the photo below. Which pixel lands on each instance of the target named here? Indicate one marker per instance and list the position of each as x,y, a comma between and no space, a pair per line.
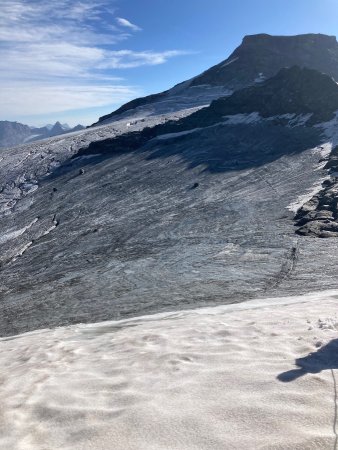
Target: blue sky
74,61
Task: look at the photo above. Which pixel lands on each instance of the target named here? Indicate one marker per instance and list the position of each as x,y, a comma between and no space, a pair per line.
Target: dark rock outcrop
319,216
292,91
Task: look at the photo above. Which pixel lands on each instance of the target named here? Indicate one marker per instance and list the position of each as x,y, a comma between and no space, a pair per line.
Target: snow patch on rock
236,119
260,78
230,62
304,198
16,233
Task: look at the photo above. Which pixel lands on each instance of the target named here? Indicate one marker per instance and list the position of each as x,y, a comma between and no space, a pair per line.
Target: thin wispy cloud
18,99
125,23
62,55
128,59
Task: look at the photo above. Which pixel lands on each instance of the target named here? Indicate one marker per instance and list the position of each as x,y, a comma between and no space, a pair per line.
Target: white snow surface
260,78
174,135
330,129
324,149
230,62
16,233
300,120
304,198
236,119
230,120
29,138
294,119
194,380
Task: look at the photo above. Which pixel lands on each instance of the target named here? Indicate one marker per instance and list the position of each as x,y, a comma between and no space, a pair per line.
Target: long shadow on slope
203,138
236,147
219,148
77,164
326,358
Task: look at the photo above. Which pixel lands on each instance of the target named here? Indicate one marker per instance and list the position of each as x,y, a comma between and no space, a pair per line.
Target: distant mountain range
15,133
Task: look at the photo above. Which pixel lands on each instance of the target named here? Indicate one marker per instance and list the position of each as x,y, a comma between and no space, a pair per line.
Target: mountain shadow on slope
217,149
296,90
205,138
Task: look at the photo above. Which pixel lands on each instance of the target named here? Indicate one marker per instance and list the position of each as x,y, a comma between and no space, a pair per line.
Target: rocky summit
261,56
217,193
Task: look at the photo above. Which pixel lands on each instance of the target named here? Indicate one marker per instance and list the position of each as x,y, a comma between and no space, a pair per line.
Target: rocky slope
190,208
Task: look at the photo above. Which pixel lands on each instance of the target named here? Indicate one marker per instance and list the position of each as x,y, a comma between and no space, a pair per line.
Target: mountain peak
302,38
57,129
261,56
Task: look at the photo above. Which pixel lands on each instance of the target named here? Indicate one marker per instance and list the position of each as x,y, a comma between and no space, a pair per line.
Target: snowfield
217,378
